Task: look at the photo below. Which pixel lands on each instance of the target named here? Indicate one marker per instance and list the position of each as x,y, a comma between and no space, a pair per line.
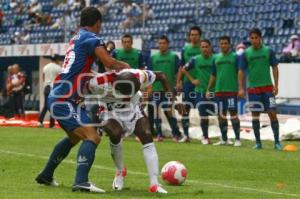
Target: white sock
151,160
117,155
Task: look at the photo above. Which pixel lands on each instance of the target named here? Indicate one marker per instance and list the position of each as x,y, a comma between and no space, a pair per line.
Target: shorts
205,107
68,114
126,119
262,102
226,103
189,94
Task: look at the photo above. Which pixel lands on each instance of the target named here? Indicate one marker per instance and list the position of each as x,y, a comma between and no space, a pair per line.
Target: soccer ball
174,173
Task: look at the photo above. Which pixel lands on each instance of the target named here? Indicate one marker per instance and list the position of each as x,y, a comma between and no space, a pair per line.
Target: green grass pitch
213,171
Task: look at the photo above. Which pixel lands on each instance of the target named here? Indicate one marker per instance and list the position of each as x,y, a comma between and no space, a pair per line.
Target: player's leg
188,90
222,118
172,122
59,153
202,105
157,96
235,121
256,107
44,110
142,130
115,133
270,105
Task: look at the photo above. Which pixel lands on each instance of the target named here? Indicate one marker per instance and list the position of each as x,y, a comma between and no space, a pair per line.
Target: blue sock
275,128
157,123
185,126
60,152
85,159
236,128
256,127
204,126
223,128
174,127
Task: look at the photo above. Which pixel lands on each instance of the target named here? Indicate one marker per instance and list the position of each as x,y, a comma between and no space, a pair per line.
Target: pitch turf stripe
144,174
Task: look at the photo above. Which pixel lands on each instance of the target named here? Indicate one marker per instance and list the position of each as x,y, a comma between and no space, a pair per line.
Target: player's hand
179,86
275,90
195,82
241,93
207,95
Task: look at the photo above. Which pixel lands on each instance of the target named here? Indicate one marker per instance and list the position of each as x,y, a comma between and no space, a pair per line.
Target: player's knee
115,137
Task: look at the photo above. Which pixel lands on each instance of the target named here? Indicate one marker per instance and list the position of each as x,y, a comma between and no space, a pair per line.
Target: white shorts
127,119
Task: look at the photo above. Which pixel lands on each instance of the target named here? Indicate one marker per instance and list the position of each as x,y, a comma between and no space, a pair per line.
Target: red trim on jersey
107,78
226,94
262,89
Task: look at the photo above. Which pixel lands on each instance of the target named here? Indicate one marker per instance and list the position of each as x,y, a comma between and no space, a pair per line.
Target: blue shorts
262,102
189,94
68,114
226,103
205,107
160,99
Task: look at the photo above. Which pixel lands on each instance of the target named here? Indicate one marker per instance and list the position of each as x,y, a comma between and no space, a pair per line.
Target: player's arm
275,71
108,61
242,66
212,79
185,70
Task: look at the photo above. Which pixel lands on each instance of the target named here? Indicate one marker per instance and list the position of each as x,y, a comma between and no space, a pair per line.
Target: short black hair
127,83
90,16
225,37
164,37
127,36
255,31
206,41
197,28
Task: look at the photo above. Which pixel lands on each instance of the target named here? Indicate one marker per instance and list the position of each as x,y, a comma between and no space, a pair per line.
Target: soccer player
167,62
128,54
257,59
189,50
225,78
121,115
84,47
201,66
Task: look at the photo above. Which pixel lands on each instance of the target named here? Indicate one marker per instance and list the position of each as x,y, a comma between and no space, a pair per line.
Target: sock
204,126
60,152
157,123
174,127
223,127
117,155
85,159
151,160
186,125
236,128
275,128
256,127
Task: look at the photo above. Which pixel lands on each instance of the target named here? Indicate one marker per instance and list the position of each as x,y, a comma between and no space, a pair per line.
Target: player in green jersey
257,59
128,54
225,78
189,51
167,62
201,67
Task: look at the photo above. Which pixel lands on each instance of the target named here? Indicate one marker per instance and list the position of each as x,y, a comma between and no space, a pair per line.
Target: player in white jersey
120,99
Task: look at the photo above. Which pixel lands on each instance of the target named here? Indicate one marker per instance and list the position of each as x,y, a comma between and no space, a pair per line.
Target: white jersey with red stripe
102,86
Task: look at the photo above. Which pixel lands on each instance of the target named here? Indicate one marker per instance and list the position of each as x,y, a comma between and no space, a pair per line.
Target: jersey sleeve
273,59
147,79
242,62
92,43
114,53
190,65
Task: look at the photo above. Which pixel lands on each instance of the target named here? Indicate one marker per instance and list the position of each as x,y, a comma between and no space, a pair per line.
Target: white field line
144,174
